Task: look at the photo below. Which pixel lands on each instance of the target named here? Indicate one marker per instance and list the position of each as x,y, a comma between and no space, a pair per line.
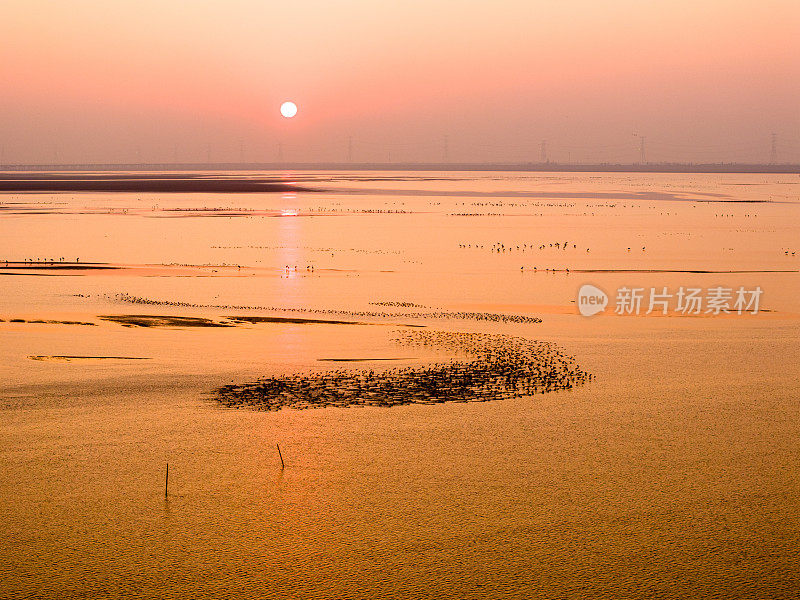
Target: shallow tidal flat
660,462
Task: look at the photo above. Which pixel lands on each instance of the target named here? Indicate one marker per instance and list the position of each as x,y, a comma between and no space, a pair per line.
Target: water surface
673,473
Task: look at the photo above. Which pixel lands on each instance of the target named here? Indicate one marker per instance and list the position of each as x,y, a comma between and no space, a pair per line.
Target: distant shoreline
48,182
348,166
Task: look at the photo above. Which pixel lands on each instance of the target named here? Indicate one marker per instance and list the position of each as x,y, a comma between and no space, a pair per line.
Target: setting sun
288,109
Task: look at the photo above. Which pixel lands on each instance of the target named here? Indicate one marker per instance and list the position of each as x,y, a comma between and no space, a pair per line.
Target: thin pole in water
166,482
280,456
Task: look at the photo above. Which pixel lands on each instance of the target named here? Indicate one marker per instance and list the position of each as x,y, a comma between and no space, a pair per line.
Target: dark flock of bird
485,367
435,314
400,304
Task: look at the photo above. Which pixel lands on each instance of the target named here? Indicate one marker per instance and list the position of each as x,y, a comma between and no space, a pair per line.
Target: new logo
591,300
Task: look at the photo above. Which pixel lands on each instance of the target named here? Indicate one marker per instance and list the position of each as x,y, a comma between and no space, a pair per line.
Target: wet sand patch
681,196
150,183
69,357
43,274
298,320
232,321
490,367
163,321
363,359
56,266
50,322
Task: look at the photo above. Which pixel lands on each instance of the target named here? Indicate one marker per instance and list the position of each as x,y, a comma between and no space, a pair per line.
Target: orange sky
121,81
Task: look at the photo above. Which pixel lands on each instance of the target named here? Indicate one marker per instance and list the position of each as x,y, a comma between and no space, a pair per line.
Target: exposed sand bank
69,357
144,183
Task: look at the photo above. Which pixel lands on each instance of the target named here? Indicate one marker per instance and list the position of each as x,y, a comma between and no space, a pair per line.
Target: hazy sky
112,80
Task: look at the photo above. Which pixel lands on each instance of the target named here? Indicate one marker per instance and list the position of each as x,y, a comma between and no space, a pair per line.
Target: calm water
674,473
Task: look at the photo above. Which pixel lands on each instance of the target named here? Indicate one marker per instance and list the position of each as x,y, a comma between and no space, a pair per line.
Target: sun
288,109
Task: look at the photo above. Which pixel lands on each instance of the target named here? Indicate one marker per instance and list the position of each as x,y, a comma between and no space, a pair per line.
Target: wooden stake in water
166,482
280,456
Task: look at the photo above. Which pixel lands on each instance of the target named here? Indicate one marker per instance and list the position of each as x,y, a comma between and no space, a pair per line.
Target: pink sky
702,80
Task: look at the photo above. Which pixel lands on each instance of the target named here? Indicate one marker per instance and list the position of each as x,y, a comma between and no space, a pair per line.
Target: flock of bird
433,314
42,261
500,247
484,367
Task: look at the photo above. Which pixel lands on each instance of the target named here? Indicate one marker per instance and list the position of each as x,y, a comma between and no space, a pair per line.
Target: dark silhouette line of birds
435,314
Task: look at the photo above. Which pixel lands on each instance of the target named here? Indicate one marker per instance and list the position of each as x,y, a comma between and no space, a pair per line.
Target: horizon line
648,167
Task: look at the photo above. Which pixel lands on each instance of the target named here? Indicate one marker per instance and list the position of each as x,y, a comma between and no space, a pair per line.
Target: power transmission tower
642,155
773,154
